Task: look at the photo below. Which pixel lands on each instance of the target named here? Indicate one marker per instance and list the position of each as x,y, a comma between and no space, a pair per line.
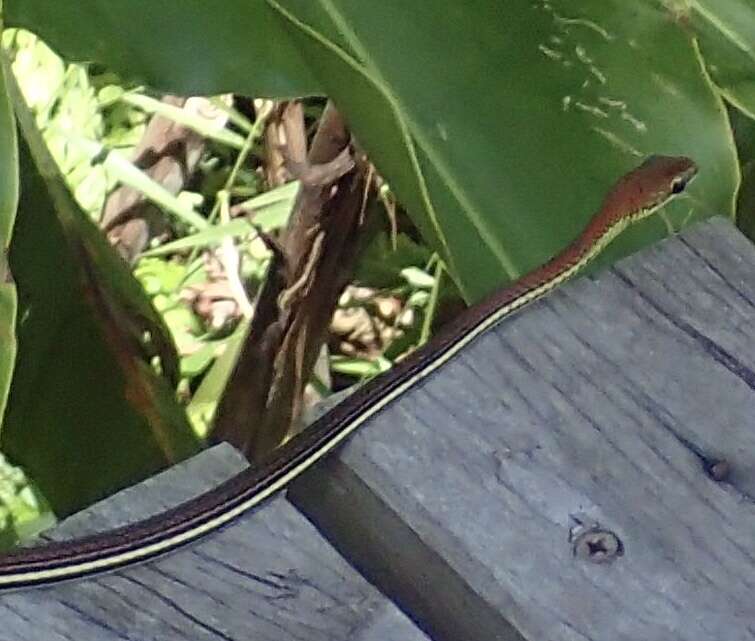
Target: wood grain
602,404
271,578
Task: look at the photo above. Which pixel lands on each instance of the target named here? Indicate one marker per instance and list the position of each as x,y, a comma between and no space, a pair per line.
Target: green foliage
78,395
62,100
382,261
162,281
23,510
499,149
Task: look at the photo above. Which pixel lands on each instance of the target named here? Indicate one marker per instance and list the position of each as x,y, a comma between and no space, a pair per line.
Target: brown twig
308,271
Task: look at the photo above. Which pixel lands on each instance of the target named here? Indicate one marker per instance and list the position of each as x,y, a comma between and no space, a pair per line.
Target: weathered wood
273,578
604,403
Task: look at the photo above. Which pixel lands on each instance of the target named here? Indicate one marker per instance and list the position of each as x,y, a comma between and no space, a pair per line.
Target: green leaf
500,126
380,264
8,344
725,30
129,174
201,409
360,367
86,415
197,362
417,278
271,211
8,202
189,47
184,117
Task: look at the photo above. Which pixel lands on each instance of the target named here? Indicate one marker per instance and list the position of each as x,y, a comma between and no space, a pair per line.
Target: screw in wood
718,469
597,545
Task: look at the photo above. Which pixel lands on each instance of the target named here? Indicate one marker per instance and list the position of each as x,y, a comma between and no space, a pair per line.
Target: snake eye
678,185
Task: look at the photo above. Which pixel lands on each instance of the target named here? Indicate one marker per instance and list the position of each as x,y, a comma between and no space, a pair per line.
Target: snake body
637,195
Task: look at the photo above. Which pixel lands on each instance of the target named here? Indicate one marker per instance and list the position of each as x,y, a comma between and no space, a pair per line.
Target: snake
635,196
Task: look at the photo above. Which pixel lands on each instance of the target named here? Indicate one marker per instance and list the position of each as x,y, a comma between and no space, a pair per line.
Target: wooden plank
270,578
601,405
604,404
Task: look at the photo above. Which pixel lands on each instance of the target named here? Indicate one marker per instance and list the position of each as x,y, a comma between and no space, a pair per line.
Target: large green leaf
8,202
86,414
186,46
501,125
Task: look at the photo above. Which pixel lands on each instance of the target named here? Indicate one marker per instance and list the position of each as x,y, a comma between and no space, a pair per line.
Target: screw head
718,469
597,545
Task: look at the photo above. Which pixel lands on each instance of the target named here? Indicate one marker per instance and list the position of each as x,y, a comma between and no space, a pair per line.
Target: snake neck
568,262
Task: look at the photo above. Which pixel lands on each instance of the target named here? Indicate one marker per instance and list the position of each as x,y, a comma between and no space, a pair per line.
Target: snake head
648,187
